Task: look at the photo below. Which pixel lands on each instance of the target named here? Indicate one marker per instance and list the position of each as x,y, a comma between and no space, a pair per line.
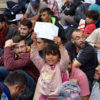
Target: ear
72,40
17,86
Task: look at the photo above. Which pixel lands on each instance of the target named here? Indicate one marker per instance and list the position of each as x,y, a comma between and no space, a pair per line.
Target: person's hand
9,43
58,41
34,38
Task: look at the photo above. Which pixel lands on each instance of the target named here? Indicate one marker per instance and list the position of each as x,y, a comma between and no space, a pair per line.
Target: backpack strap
5,90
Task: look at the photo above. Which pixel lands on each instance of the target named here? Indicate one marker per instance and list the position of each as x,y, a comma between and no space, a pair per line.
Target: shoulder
29,5
97,31
70,46
91,26
88,48
42,4
78,74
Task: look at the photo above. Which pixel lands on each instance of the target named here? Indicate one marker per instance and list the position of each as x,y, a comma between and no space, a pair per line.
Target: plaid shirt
53,5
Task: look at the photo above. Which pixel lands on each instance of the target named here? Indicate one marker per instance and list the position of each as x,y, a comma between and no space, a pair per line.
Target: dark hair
2,19
92,14
48,10
70,56
17,38
16,77
51,49
27,94
27,23
75,30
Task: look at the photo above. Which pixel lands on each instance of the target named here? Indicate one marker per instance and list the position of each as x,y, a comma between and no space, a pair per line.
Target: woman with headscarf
96,8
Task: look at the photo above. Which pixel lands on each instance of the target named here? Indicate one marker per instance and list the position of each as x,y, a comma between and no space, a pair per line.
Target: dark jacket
80,12
61,32
72,9
11,32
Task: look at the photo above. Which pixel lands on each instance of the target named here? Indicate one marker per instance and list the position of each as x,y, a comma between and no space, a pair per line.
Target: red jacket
22,62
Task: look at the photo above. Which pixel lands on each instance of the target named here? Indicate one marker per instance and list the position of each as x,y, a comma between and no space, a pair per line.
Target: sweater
22,62
50,76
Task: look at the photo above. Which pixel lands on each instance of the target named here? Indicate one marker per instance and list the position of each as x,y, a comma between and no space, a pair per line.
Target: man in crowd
84,54
79,77
25,28
47,16
17,57
33,9
14,84
95,95
6,32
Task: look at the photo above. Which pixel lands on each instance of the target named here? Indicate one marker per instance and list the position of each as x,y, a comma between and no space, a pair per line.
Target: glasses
21,47
80,37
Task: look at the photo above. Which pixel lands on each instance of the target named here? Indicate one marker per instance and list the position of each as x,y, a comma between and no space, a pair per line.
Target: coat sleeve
36,59
11,63
64,60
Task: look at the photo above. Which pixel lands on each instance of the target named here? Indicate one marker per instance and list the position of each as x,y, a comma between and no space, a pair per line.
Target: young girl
51,69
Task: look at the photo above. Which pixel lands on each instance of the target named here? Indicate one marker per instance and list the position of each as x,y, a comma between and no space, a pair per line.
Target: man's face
97,74
16,91
45,17
24,30
78,38
20,47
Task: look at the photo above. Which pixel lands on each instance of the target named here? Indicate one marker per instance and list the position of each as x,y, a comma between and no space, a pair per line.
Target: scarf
3,33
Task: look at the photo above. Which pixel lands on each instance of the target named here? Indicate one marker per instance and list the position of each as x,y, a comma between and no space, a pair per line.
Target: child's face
89,20
52,59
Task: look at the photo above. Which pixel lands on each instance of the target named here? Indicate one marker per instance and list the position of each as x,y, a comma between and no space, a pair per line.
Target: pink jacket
50,77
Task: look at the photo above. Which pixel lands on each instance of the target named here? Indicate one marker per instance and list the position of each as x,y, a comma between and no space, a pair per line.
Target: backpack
69,91
13,9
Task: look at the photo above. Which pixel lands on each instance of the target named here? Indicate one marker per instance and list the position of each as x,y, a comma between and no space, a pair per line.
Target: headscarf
96,8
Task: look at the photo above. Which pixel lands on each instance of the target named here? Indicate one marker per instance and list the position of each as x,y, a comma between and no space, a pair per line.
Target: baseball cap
34,2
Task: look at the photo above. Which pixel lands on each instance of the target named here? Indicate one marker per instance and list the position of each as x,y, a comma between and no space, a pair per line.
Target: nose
50,56
20,50
98,67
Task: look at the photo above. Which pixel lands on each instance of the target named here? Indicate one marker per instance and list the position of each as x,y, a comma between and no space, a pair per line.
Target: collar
5,90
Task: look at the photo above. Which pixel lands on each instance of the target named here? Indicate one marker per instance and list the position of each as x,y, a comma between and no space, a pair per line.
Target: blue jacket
6,93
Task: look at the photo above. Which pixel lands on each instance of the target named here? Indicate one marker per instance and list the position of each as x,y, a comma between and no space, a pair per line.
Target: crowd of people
35,68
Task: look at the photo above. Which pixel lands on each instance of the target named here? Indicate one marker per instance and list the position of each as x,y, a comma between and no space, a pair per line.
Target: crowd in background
33,68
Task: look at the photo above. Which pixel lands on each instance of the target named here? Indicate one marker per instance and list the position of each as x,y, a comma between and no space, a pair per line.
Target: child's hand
57,40
34,38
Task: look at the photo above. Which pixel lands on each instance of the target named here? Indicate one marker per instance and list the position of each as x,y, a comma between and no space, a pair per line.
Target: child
51,69
91,17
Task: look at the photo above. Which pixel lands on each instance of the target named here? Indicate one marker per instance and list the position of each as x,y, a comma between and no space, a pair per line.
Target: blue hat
34,2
